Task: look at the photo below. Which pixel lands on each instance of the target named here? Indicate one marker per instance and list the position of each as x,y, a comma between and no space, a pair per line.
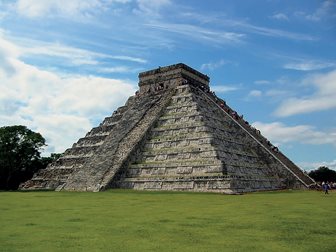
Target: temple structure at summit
173,134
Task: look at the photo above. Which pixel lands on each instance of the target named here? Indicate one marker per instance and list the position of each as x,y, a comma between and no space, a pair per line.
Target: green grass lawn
125,220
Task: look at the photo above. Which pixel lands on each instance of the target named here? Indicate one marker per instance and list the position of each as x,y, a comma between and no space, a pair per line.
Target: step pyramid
173,134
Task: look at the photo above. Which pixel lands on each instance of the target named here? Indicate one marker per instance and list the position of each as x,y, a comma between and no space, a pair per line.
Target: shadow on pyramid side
174,134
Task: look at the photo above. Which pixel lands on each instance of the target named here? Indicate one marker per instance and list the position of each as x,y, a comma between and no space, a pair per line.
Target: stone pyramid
174,134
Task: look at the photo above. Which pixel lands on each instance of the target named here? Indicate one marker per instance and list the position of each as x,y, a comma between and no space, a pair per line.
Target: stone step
182,106
90,141
179,96
70,161
176,115
176,163
181,139
172,171
99,171
111,120
180,178
102,130
181,125
148,175
80,151
180,129
173,154
173,150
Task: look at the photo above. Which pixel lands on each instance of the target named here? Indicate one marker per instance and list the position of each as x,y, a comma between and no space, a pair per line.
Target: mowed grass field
126,220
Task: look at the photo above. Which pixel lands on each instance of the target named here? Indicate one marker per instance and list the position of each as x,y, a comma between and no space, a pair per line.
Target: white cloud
279,93
315,165
323,99
151,8
280,16
279,132
255,93
70,8
7,54
327,9
309,65
72,55
242,27
61,108
225,88
261,82
213,65
198,33
265,31
61,130
128,58
119,69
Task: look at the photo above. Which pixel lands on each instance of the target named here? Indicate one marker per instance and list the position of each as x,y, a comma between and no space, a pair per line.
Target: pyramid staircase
73,159
265,143
173,135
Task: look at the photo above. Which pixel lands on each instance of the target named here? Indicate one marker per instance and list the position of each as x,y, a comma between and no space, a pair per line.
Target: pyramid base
223,184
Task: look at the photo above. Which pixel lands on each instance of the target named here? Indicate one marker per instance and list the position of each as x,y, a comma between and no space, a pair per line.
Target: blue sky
65,65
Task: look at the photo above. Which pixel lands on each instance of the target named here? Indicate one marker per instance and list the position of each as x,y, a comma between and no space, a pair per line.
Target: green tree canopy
323,173
19,155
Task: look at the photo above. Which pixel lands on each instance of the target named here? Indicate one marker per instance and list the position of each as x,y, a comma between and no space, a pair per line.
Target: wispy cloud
4,7
61,108
150,8
73,9
326,10
119,69
242,27
226,88
278,93
198,33
323,99
315,165
281,133
303,62
262,82
270,32
75,55
62,55
126,58
280,16
214,65
309,65
255,93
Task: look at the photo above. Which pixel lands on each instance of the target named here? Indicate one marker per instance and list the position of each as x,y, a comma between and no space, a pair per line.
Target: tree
323,173
19,155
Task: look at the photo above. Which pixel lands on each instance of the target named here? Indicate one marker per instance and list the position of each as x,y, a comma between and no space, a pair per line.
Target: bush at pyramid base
174,134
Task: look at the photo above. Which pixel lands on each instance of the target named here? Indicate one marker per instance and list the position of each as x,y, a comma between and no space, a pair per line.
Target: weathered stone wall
177,151
262,144
99,170
73,159
170,77
172,135
196,146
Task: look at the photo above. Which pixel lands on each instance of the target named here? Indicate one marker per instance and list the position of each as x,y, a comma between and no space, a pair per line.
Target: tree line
323,174
20,155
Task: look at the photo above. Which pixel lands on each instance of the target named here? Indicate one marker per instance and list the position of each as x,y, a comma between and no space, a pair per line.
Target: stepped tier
175,134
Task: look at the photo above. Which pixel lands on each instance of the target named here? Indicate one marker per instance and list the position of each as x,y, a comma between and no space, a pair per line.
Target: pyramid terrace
173,134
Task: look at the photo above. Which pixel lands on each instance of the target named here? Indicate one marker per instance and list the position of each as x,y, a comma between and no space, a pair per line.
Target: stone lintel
170,77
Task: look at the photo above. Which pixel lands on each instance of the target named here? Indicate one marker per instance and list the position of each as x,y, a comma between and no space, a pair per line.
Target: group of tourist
235,116
157,88
326,186
222,104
